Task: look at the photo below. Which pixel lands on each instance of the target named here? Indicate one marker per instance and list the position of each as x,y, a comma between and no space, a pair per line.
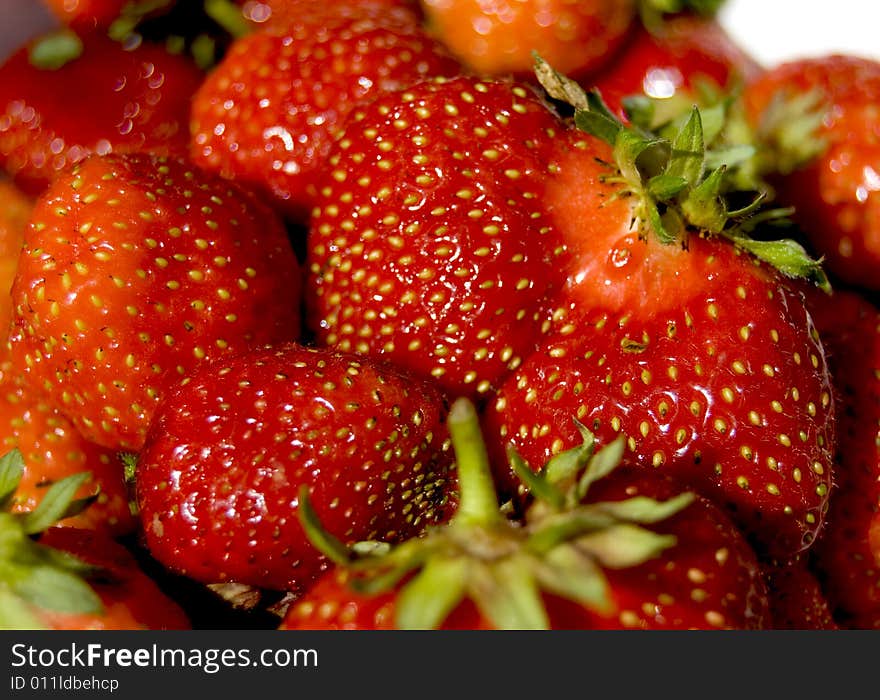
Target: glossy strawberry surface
218,480
498,38
670,62
834,194
107,100
848,552
267,114
135,271
431,243
725,387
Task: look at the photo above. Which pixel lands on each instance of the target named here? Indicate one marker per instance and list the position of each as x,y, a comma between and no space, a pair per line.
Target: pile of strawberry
385,313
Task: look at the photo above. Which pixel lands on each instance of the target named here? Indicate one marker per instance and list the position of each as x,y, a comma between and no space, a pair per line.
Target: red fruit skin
797,601
135,271
847,555
430,244
671,60
109,100
710,579
724,387
267,114
52,450
131,600
835,195
15,210
498,38
218,479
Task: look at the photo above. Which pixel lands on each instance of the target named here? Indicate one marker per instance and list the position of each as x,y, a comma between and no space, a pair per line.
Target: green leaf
507,593
566,572
598,125
665,187
628,146
686,161
537,484
426,600
15,615
641,110
729,157
229,16
624,545
641,509
320,538
704,207
603,462
713,119
56,589
657,224
55,50
787,256
11,472
57,503
565,466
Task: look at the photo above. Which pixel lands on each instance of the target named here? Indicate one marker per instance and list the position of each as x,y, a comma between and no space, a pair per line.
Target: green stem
478,503
228,15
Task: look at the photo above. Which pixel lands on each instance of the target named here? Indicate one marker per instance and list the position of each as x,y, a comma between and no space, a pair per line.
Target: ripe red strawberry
797,601
847,555
835,194
69,578
498,38
85,16
716,379
219,476
679,339
625,550
670,61
108,99
431,243
267,114
135,271
15,210
52,450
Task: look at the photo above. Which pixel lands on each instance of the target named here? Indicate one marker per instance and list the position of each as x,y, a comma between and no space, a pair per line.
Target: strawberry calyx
679,183
34,576
131,15
653,12
560,546
55,49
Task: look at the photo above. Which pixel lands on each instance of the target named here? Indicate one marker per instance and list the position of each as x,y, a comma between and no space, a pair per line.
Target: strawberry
497,38
268,112
847,555
672,61
431,242
106,99
834,194
600,547
68,578
84,16
797,601
219,476
15,210
53,450
673,331
135,271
